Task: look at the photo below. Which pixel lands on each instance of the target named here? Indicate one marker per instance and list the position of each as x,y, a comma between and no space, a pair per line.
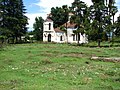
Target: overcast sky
41,8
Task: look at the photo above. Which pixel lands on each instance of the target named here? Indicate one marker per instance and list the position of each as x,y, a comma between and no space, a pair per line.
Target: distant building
51,34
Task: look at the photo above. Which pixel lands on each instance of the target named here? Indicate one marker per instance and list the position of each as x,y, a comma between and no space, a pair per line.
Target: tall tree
3,17
38,28
112,11
117,29
80,17
22,19
99,16
13,18
59,15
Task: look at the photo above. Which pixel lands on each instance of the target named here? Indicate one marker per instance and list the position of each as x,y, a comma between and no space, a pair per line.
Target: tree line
97,20
12,20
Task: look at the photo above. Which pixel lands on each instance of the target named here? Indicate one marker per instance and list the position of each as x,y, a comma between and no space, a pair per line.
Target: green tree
23,20
117,29
59,15
3,13
112,10
38,28
81,17
98,14
13,20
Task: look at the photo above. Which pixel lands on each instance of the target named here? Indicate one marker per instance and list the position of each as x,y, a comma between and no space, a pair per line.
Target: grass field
57,67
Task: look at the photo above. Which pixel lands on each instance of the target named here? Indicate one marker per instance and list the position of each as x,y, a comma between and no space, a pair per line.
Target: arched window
73,37
76,37
61,39
49,26
49,37
79,37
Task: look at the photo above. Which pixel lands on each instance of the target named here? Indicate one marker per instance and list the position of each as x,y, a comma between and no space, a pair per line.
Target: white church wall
46,26
69,35
83,38
60,37
45,36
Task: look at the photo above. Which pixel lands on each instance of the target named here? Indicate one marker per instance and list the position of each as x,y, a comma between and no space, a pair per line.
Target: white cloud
48,4
31,20
118,5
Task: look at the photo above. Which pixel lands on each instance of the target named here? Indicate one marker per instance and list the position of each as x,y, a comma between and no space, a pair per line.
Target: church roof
48,20
69,25
58,30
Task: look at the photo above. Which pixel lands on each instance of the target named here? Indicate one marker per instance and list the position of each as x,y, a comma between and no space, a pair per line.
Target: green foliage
13,20
63,28
38,28
101,13
117,39
117,25
59,15
80,17
97,21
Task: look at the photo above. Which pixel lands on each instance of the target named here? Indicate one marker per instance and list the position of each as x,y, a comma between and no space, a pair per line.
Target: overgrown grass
103,44
57,67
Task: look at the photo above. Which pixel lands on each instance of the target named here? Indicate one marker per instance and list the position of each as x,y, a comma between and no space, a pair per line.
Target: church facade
51,34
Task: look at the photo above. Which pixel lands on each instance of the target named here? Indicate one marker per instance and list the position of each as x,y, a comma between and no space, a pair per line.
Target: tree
80,17
13,18
3,17
22,29
117,29
99,16
38,28
59,15
112,10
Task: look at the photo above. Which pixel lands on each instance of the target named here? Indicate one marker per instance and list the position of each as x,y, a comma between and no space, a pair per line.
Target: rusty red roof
58,30
48,20
70,25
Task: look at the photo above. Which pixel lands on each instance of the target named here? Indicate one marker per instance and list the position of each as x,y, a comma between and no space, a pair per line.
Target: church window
61,38
73,37
76,37
49,26
79,37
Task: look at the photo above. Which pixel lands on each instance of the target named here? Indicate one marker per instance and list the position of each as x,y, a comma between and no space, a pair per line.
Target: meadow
58,67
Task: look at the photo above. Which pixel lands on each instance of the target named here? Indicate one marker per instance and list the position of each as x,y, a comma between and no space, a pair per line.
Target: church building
51,34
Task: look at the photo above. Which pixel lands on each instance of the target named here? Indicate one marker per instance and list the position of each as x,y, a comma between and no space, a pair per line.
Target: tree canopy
59,15
38,28
13,20
97,21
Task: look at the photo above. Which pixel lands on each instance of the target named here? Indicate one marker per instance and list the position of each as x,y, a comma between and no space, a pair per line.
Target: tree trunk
16,39
99,42
113,32
66,33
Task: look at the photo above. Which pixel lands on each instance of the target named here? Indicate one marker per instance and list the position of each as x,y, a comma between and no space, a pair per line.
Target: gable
70,25
58,30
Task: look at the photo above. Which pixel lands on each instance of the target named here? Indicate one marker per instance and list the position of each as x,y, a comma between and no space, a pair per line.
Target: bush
117,39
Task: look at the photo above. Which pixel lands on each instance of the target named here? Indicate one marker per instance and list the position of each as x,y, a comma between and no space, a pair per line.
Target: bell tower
48,25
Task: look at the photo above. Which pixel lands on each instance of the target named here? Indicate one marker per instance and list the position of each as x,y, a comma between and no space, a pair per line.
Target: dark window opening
61,39
49,37
49,26
79,37
73,37
76,37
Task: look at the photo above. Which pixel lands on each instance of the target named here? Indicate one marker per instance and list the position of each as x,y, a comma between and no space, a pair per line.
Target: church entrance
49,37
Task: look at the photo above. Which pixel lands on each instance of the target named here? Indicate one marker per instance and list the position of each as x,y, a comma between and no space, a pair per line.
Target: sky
37,8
